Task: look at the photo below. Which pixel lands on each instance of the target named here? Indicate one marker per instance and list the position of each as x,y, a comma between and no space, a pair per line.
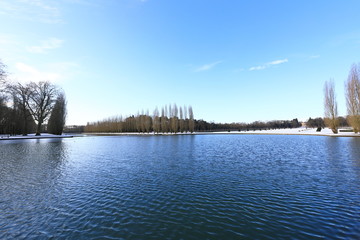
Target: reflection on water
180,187
29,173
354,154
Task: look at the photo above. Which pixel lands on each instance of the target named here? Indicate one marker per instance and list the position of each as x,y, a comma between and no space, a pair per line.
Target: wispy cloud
48,44
53,72
26,73
93,3
32,10
207,67
269,64
276,62
257,68
314,56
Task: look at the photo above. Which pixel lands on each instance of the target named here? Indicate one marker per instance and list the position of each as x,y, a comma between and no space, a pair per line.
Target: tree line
352,95
171,119
204,126
321,122
169,122
26,107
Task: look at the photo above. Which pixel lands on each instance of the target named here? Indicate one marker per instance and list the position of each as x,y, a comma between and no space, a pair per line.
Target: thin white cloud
31,10
314,56
93,3
26,73
53,72
207,67
48,44
257,68
269,64
276,62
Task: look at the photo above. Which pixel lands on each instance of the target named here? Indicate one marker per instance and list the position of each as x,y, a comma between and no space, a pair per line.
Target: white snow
285,131
296,131
32,136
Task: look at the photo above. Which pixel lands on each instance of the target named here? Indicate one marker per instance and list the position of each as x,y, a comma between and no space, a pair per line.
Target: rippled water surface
181,187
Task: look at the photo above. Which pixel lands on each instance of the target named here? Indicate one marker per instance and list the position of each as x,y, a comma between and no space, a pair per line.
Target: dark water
181,187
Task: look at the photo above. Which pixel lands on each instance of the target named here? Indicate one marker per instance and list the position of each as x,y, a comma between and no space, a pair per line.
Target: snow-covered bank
296,131
287,131
32,136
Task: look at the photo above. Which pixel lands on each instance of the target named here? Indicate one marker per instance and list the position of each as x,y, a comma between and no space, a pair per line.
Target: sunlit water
181,187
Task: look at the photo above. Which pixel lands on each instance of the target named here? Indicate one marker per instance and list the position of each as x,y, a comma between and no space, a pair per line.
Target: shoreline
32,136
288,131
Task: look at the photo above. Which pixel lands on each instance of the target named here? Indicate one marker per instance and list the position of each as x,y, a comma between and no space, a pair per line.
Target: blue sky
233,61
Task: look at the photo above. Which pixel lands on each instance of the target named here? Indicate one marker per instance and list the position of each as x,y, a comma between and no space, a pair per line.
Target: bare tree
156,121
3,97
57,118
174,120
3,85
3,75
143,122
148,122
163,120
138,122
330,106
21,95
191,120
352,93
166,120
186,120
42,100
181,121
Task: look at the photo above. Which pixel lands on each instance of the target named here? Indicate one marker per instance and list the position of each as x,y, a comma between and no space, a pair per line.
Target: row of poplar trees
171,119
352,95
26,107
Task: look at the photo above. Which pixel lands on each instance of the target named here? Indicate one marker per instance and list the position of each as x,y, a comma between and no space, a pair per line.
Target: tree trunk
38,129
25,129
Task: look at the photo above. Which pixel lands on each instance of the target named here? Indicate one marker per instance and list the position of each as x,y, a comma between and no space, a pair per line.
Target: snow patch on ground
32,136
297,131
285,131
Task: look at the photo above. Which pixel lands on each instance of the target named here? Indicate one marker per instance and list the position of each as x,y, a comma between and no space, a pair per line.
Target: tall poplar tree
330,106
191,120
181,121
156,121
352,93
163,120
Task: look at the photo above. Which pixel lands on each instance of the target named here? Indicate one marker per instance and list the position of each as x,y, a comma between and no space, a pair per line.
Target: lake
181,187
